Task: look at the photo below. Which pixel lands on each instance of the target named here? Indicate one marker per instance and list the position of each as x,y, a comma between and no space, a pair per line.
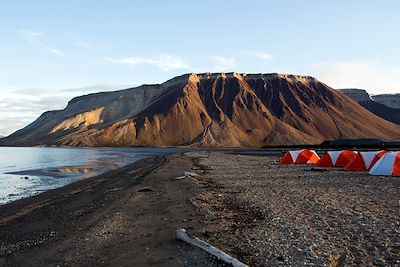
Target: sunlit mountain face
209,110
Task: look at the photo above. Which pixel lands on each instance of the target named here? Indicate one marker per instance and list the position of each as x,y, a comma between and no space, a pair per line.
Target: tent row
376,162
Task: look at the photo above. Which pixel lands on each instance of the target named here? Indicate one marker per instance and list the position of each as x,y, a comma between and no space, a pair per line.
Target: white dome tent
388,165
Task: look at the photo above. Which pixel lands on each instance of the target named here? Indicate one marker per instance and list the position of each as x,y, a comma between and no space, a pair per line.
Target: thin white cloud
34,38
220,63
55,51
365,74
256,54
164,62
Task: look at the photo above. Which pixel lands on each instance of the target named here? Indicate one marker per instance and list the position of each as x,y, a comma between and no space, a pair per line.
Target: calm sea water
28,171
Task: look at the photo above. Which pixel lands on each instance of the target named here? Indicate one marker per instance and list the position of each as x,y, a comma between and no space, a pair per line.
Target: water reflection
28,171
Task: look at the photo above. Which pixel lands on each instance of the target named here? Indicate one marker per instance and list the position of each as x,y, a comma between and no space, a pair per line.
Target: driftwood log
190,175
194,241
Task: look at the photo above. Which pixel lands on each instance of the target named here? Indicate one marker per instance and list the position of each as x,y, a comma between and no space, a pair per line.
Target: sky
52,51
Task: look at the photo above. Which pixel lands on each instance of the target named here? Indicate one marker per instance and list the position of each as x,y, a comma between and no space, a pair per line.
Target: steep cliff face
359,95
209,110
378,108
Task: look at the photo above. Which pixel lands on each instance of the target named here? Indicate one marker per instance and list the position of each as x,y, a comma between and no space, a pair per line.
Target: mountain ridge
208,110
378,108
390,100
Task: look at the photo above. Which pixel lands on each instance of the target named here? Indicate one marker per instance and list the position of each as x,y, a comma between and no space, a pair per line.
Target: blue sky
54,50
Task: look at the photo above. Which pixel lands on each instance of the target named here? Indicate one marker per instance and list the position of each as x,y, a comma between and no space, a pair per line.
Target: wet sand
247,205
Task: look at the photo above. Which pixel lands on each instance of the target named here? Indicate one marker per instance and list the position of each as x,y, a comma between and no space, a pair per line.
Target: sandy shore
247,205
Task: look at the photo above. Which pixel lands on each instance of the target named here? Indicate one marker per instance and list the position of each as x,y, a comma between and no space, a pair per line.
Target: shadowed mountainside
209,110
382,110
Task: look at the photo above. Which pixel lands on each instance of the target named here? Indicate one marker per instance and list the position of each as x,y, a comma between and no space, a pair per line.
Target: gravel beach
245,204
296,215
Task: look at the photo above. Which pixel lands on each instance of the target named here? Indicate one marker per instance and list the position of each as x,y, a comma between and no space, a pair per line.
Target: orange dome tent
364,161
304,156
388,165
336,158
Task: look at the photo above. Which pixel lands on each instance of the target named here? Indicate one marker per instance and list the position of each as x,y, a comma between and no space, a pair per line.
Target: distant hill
390,100
209,110
370,103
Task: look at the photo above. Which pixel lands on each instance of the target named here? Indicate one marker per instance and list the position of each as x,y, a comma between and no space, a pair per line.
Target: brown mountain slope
209,110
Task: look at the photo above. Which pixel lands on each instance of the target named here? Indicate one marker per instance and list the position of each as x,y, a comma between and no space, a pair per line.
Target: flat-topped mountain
380,109
390,100
209,110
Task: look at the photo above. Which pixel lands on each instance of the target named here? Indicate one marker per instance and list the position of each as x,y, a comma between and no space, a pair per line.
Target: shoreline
114,219
52,194
66,165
